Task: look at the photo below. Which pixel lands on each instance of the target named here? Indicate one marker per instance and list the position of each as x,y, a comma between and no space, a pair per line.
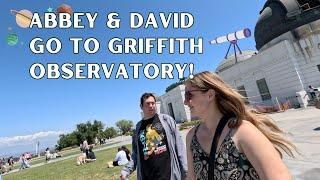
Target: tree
110,132
67,140
97,126
89,131
124,126
83,131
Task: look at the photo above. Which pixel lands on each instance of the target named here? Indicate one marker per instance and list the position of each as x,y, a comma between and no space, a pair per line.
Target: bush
189,124
266,109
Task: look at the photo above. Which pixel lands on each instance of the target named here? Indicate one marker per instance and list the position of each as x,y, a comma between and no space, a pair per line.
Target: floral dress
230,164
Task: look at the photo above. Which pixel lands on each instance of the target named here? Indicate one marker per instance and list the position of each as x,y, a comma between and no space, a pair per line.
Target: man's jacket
175,145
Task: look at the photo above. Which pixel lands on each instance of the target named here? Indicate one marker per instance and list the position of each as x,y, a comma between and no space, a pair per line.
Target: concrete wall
286,66
176,98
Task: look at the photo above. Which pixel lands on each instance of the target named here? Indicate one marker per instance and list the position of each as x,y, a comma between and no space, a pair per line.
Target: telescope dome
280,16
231,60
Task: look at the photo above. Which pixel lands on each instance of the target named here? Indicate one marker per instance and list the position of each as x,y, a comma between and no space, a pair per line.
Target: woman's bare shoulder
244,132
191,133
246,128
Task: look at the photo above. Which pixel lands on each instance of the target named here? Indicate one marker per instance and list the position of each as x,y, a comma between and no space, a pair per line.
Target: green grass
65,153
67,169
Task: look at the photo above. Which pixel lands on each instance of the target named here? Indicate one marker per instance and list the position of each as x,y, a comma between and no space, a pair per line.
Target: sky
51,106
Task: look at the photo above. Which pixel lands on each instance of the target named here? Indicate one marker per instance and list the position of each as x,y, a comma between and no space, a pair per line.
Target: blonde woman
232,141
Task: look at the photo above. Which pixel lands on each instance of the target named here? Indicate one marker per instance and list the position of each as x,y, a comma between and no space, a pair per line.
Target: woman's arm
261,153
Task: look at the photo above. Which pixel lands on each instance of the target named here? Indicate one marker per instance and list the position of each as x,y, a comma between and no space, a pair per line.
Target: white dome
230,61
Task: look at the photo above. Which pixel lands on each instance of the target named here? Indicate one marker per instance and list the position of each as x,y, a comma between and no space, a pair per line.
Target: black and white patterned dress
230,164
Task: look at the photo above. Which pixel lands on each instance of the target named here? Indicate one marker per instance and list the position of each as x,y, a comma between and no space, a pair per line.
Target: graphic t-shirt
154,152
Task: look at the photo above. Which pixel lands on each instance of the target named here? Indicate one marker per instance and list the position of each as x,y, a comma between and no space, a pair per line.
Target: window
308,4
318,67
263,89
242,91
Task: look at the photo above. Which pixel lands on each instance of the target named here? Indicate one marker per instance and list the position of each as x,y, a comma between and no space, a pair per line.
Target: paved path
302,126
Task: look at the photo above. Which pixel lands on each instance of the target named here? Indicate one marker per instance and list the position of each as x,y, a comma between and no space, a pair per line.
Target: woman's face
197,100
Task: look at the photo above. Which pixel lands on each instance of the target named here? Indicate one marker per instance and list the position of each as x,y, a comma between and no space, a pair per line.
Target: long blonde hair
229,101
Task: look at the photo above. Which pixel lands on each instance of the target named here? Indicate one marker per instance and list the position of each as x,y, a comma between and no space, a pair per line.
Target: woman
120,159
91,156
24,162
247,147
48,155
128,153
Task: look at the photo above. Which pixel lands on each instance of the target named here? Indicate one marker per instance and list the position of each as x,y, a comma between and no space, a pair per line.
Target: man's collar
149,117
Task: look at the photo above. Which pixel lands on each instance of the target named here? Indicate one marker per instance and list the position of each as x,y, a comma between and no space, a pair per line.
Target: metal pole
235,52
279,107
227,51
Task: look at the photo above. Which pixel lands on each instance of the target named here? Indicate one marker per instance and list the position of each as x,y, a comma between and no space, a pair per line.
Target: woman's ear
212,94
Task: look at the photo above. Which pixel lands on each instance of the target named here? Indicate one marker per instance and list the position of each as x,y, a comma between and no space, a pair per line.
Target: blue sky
28,106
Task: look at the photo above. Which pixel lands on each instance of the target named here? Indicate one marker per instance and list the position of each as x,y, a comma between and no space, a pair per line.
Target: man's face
149,107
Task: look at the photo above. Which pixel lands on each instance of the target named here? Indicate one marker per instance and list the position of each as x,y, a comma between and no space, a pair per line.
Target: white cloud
29,138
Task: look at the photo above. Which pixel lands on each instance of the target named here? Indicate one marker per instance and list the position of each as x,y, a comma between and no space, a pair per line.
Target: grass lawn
67,169
70,152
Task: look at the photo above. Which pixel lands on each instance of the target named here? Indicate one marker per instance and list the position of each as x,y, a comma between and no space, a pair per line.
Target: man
312,92
158,151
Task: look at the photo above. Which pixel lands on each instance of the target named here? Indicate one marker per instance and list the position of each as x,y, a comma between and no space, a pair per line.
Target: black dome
280,16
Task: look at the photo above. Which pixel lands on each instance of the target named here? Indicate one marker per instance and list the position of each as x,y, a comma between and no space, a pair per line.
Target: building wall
308,60
286,66
175,96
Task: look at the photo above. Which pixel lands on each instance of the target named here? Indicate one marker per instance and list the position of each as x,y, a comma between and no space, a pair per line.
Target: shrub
189,124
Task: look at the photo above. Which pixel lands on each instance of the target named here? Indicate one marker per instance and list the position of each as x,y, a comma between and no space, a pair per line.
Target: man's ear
141,106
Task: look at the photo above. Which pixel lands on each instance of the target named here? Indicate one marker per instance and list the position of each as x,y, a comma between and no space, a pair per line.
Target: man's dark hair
146,96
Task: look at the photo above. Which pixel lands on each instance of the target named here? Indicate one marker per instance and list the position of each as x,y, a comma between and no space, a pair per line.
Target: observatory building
287,60
287,37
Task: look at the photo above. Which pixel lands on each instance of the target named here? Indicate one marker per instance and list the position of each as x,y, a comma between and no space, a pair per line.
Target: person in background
10,162
48,155
85,147
24,162
312,92
96,141
127,151
119,160
91,156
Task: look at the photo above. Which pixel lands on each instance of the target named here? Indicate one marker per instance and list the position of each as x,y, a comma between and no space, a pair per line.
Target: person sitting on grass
86,157
128,153
120,159
50,156
91,156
